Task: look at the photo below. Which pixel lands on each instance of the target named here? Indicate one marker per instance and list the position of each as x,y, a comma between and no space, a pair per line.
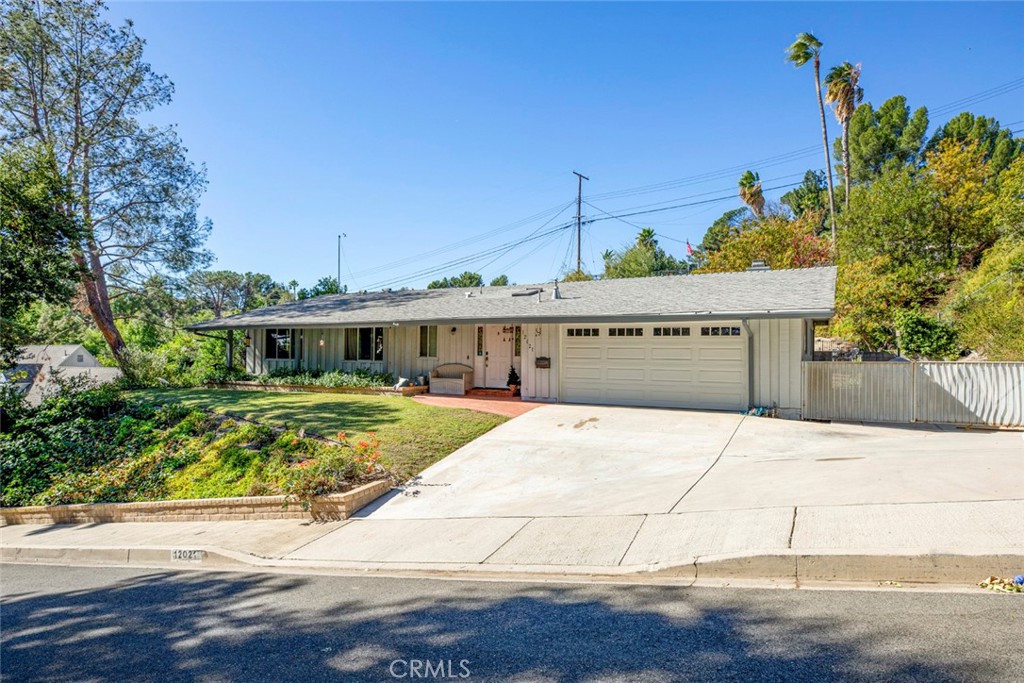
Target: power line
461,243
680,206
795,155
984,95
546,224
468,259
697,179
711,175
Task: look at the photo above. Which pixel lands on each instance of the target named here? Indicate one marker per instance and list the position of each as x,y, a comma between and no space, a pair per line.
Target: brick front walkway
509,407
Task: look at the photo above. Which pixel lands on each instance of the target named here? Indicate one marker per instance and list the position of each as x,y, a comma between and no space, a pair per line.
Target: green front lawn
413,436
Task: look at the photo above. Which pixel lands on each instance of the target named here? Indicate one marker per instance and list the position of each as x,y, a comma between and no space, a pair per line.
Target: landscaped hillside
90,445
929,242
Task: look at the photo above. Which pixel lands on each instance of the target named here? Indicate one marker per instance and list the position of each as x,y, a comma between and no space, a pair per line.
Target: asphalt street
116,624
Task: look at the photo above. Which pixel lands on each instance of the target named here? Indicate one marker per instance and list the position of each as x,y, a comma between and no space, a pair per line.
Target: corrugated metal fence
954,393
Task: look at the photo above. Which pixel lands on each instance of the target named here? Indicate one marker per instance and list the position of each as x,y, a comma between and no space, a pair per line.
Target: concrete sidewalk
928,542
584,490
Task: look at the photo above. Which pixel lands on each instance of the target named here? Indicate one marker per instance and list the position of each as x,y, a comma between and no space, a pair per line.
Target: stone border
288,388
333,507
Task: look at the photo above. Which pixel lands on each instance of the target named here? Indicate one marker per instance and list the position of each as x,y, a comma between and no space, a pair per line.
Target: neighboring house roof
51,354
42,379
804,293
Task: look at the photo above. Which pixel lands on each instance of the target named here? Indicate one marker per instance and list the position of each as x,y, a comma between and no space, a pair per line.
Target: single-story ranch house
726,341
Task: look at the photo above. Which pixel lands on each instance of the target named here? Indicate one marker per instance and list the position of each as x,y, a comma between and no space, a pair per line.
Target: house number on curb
179,555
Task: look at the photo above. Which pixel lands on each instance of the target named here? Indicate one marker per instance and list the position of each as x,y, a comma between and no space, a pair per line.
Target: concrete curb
790,569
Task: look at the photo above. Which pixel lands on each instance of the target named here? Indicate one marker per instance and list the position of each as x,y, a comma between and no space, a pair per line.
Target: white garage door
687,366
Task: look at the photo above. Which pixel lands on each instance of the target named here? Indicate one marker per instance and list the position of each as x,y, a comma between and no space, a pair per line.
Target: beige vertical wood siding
403,351
779,348
539,341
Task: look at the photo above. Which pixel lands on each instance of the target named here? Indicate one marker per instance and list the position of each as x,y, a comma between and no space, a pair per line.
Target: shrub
335,469
70,433
925,336
330,378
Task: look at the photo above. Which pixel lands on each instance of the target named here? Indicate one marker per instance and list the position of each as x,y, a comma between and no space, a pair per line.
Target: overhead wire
464,242
502,250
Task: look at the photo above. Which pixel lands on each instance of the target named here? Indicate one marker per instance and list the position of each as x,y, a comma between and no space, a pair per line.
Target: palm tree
294,286
807,48
751,194
843,92
646,238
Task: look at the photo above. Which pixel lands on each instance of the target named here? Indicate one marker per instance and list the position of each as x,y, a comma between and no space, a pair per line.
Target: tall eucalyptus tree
77,86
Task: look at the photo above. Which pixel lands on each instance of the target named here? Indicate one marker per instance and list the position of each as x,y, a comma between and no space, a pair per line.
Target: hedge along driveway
413,436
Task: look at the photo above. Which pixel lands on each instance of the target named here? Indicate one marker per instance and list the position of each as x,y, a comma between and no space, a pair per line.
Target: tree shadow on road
210,627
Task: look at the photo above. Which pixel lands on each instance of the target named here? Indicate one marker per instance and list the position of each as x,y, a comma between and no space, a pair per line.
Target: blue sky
412,127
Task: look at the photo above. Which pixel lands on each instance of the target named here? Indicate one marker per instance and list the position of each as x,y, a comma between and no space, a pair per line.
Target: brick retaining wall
333,507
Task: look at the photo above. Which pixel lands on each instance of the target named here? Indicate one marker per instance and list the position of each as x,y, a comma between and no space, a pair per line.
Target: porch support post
230,354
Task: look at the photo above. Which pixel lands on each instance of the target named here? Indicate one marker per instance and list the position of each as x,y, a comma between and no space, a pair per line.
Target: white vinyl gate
655,365
951,393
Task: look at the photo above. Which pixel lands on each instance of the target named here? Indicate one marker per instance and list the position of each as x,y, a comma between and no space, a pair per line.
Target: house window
279,344
626,332
364,343
583,332
518,344
81,358
671,331
428,341
480,341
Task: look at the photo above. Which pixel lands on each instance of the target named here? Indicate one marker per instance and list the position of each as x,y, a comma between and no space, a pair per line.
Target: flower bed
363,379
370,391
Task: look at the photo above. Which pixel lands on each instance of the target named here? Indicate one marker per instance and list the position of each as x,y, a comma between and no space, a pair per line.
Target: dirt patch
583,423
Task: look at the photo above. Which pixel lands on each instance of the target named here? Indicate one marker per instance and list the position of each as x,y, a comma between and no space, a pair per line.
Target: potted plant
513,380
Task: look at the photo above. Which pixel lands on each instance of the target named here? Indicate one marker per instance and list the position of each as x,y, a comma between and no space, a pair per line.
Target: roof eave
808,314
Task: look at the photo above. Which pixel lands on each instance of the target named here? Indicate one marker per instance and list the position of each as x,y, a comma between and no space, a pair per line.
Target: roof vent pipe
758,264
555,294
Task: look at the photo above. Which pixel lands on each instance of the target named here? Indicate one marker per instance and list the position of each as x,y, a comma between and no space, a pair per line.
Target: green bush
330,378
69,433
925,336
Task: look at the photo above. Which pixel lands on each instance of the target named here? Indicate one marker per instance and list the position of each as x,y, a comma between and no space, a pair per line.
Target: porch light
454,330
248,340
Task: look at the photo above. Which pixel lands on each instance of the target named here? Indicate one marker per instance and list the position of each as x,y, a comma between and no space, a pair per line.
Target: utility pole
339,264
579,222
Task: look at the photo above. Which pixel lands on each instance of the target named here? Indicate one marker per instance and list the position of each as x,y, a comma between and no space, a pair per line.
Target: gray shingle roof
52,354
804,293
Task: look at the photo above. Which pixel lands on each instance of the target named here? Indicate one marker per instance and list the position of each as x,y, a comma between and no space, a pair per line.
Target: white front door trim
498,341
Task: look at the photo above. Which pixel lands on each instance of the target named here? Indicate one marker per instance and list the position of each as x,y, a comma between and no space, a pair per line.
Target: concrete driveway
568,460
607,489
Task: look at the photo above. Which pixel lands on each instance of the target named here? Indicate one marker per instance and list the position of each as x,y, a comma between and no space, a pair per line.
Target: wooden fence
952,393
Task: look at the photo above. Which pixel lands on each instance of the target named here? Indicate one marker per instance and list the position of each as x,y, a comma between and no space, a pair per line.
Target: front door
497,355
